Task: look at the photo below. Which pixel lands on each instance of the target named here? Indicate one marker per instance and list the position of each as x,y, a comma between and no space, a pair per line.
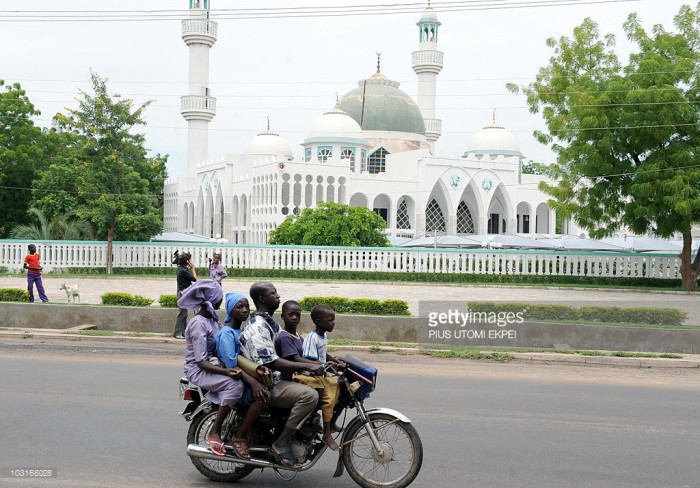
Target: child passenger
227,349
290,346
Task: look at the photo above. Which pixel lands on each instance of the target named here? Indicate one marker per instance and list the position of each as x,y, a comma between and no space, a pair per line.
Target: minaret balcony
427,61
193,107
433,129
199,31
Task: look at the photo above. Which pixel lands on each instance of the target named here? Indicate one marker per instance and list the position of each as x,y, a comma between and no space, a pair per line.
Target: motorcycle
380,446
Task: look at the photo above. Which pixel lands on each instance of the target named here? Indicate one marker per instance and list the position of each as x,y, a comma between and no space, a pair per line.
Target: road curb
606,360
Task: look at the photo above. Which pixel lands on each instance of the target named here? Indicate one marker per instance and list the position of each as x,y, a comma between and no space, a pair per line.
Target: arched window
465,224
403,221
376,162
348,154
434,219
324,153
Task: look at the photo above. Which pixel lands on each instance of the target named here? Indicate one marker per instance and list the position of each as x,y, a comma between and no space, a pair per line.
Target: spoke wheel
399,462
216,470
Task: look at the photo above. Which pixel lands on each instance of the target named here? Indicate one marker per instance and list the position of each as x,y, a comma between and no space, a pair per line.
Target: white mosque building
374,149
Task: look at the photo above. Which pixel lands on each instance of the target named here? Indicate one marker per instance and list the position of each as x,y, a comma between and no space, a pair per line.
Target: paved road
107,418
91,288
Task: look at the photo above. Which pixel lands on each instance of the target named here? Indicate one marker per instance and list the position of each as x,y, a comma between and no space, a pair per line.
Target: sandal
216,447
285,458
240,447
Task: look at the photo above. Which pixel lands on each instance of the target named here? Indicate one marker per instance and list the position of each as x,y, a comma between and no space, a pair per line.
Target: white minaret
198,107
427,64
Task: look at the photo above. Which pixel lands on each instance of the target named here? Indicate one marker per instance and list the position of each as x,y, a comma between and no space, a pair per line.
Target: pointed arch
434,217
405,213
465,222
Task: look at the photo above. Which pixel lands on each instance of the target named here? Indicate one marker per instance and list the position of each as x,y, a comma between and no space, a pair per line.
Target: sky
291,69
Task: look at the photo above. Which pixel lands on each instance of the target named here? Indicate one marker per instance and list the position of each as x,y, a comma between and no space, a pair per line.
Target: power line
286,12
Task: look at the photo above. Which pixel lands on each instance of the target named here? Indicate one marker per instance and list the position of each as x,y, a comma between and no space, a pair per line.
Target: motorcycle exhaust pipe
202,452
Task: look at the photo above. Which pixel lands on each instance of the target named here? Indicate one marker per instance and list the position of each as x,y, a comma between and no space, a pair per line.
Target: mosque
375,148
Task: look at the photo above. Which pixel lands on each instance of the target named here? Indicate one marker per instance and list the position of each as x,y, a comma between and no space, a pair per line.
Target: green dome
386,108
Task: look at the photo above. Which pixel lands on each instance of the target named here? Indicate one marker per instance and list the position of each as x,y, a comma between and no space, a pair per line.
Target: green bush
395,307
365,306
13,295
168,301
632,315
551,312
339,304
125,299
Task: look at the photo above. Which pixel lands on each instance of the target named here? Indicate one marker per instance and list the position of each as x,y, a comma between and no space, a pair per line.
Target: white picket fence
81,254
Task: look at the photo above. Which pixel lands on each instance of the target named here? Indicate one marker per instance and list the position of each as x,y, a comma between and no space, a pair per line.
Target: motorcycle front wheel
399,462
216,470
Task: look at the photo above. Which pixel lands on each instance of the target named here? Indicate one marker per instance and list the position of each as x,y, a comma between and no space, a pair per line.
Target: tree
332,224
103,171
20,155
627,137
62,226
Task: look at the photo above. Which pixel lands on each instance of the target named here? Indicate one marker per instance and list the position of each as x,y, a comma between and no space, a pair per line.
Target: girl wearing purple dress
224,384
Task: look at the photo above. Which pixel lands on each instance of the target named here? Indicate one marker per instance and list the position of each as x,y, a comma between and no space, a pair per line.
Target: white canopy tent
180,237
580,244
642,244
442,241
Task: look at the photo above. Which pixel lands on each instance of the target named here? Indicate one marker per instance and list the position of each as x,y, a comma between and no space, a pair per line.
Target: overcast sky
290,69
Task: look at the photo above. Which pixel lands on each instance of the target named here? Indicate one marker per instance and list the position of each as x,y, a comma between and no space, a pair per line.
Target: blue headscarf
232,300
204,292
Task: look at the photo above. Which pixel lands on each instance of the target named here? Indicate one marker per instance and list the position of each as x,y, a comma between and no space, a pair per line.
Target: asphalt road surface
105,417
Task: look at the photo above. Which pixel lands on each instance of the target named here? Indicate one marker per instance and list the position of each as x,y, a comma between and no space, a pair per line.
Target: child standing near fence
216,270
31,264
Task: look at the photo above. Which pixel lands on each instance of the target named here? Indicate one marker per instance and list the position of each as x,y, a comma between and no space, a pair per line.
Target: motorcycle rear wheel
216,470
402,458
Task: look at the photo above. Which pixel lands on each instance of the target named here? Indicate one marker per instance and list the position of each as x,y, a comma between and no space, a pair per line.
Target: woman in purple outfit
224,384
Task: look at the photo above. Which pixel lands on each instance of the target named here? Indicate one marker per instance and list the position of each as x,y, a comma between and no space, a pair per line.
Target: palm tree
62,226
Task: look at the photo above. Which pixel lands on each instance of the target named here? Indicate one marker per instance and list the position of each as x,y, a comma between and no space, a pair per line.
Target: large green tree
332,224
21,155
102,169
626,136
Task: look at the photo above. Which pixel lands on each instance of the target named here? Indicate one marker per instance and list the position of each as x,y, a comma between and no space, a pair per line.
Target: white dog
71,292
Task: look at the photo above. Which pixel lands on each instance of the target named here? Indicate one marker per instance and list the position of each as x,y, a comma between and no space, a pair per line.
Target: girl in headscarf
224,385
228,349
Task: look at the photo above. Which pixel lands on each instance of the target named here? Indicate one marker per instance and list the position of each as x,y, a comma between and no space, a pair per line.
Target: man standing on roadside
186,275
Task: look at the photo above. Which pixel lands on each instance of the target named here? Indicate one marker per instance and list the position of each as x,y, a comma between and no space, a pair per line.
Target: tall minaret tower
198,107
427,64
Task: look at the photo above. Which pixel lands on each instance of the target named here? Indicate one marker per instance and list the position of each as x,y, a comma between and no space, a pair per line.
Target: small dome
335,124
268,142
494,140
378,104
